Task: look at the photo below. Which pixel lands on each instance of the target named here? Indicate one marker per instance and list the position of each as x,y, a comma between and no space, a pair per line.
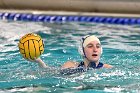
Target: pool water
121,48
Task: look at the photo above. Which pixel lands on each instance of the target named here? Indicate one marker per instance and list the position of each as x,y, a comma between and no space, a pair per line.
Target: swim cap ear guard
81,48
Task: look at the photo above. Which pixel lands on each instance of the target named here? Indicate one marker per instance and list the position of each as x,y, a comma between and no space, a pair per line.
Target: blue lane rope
64,18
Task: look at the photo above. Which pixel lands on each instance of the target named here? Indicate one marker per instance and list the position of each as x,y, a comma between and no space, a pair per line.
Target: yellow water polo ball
31,46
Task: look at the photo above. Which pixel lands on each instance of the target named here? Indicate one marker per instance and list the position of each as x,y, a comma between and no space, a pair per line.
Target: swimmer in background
90,49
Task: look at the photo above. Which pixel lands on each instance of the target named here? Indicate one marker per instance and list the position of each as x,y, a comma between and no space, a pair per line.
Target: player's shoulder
70,64
107,66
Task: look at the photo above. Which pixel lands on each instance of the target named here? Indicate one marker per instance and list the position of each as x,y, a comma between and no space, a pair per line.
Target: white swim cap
85,41
89,39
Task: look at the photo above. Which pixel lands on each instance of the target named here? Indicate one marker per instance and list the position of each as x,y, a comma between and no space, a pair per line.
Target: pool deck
112,8
106,6
69,13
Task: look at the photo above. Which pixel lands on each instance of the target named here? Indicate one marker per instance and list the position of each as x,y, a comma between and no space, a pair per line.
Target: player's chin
95,59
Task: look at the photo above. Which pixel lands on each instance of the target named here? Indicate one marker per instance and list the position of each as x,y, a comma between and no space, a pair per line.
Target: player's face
93,51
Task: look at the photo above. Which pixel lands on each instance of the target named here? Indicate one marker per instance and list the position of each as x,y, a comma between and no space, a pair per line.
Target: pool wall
124,12
112,6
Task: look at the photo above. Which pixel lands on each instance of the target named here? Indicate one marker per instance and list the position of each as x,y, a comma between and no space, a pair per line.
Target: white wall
122,6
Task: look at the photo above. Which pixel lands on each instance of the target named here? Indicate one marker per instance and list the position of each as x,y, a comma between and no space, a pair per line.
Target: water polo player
91,51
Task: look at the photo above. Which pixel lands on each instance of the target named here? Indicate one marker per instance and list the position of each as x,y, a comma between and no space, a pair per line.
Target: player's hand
34,60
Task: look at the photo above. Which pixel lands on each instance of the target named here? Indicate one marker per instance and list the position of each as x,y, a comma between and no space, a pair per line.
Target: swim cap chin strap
85,41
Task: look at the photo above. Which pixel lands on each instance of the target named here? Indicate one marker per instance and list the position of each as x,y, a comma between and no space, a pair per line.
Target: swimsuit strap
92,65
100,65
81,64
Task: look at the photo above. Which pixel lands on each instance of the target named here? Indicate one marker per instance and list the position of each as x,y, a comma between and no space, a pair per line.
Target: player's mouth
94,55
